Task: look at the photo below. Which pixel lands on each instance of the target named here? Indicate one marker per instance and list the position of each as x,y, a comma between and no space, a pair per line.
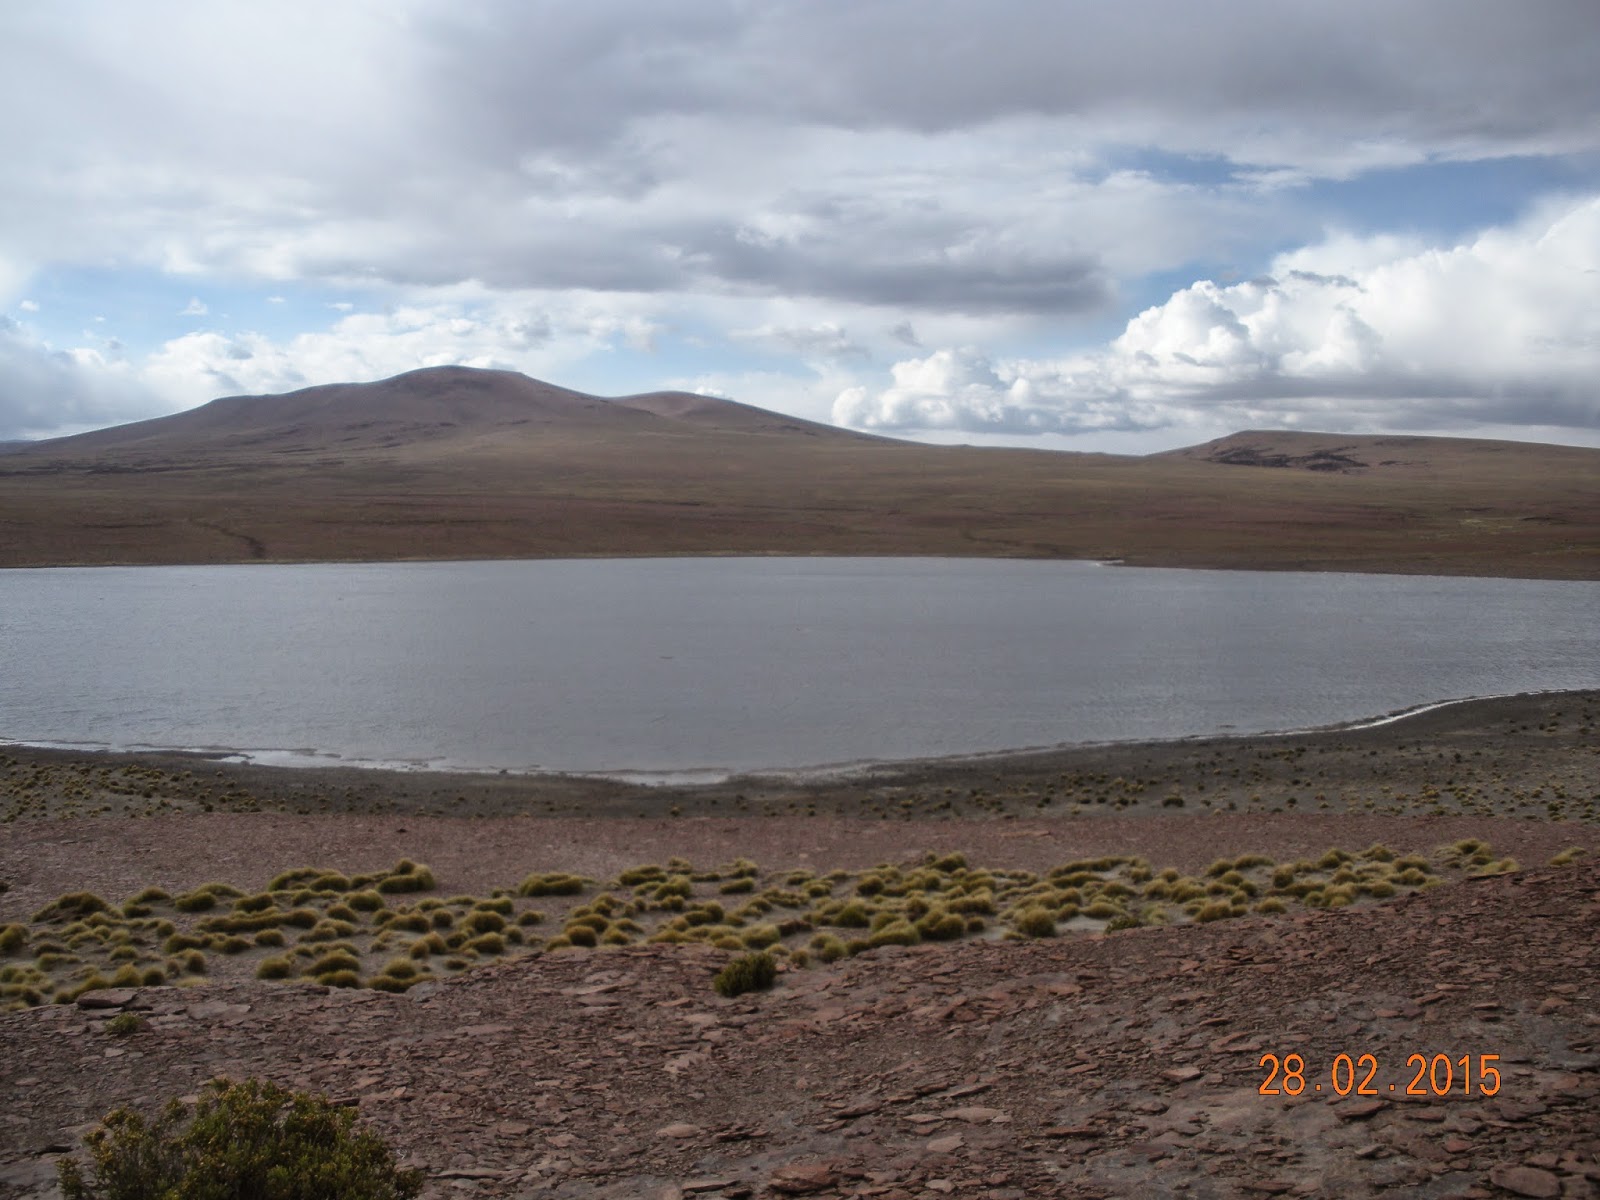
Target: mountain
429,407
454,462
1346,454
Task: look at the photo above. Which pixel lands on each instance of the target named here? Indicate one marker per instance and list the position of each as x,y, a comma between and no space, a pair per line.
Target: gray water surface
716,665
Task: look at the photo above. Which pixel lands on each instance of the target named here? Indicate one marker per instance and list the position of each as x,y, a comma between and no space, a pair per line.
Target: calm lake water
669,666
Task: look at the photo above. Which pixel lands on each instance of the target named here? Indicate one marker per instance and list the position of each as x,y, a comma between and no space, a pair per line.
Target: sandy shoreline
1521,736
1517,771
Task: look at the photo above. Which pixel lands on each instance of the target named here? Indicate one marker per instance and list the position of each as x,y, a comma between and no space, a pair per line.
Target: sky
1050,223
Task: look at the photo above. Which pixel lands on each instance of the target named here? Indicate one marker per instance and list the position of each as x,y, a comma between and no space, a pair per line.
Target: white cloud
51,391
1503,329
529,334
790,172
781,148
195,308
29,306
824,341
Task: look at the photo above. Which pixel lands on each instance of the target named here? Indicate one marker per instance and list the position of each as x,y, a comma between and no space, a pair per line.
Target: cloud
1502,329
195,308
512,333
29,306
780,148
824,341
47,391
846,184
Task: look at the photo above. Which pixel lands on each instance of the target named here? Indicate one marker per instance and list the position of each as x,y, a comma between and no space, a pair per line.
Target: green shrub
634,876
12,938
679,886
747,973
1036,922
425,946
895,933
416,879
338,960
828,948
853,915
488,943
759,937
274,968
124,1024
479,921
941,926
72,906
551,885
250,1139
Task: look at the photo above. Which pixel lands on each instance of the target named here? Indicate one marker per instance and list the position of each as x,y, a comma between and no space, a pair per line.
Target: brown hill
454,462
1345,453
429,406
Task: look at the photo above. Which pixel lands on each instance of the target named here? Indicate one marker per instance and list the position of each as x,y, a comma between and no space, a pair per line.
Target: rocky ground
1093,1063
1125,1065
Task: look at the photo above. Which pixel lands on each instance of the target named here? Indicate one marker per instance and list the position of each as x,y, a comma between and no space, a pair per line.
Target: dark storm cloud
909,276
550,145
1474,70
628,105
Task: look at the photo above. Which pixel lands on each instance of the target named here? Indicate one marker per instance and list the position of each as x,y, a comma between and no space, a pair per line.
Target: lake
705,666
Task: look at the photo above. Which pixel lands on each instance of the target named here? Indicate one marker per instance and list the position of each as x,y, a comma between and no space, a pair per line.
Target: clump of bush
1036,922
747,973
71,907
407,876
250,1139
555,884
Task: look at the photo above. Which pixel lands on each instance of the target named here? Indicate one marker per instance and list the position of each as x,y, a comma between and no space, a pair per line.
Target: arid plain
1047,975
457,463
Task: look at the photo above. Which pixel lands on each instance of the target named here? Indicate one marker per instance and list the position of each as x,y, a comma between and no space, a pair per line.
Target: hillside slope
455,462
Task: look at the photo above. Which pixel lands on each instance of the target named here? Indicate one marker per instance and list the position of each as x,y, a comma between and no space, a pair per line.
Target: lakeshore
1427,881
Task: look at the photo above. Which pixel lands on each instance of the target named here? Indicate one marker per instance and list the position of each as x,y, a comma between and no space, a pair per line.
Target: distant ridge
457,462
1345,453
428,405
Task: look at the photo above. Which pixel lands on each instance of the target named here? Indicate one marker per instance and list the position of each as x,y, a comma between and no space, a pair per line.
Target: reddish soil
1124,1064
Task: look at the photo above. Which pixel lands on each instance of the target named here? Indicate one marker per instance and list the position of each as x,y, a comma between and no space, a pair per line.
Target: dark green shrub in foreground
747,973
245,1141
